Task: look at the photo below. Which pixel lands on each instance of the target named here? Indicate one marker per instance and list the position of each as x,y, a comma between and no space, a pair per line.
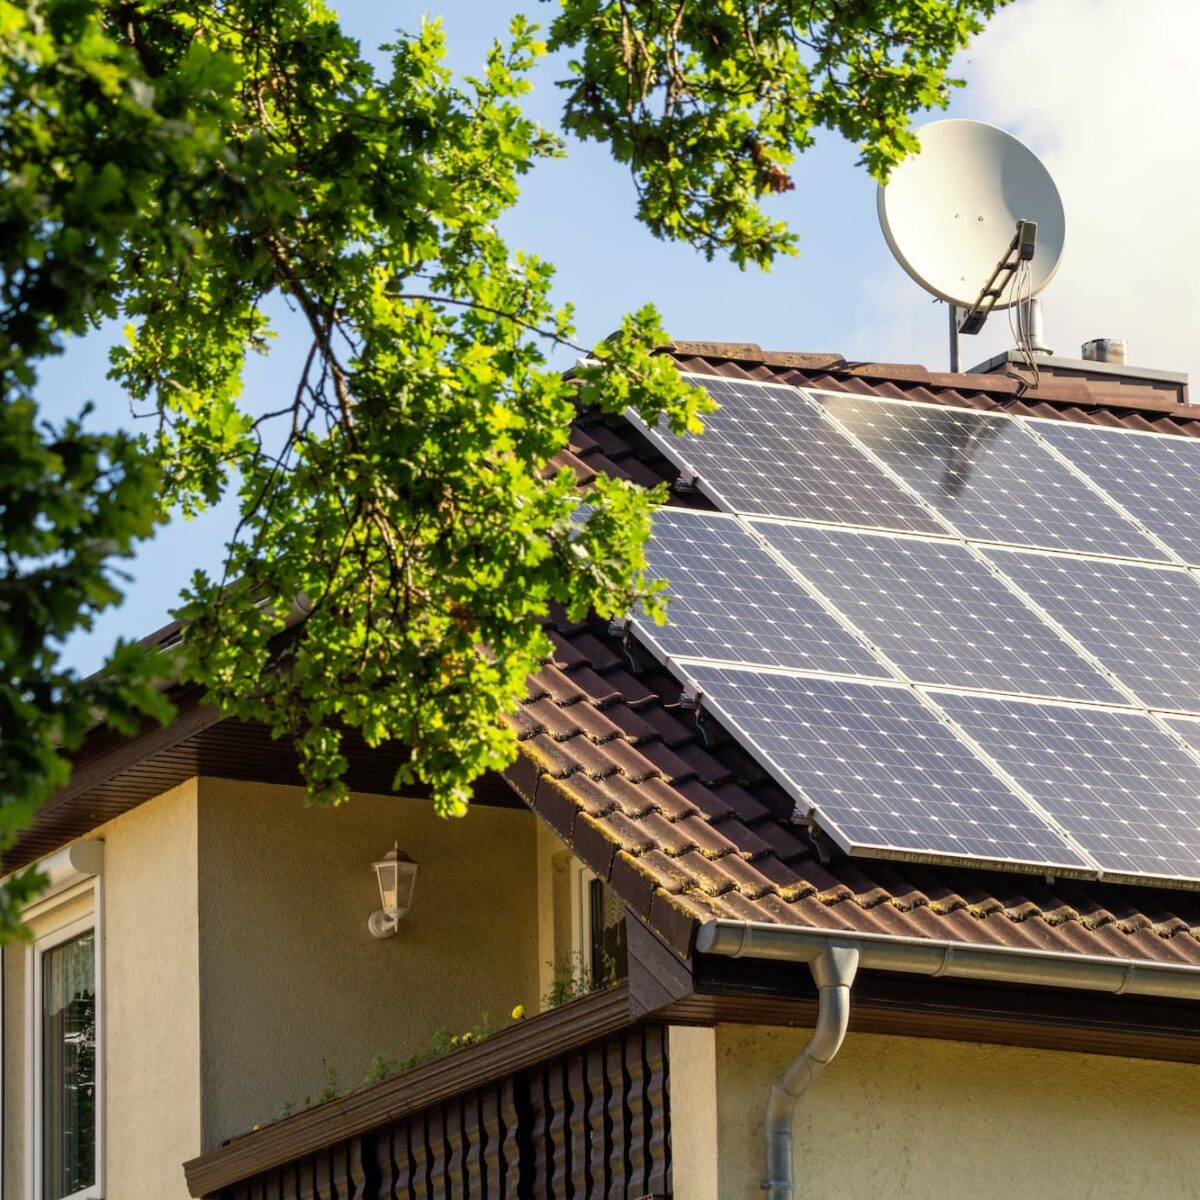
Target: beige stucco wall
289,976
152,1011
237,958
908,1117
151,1020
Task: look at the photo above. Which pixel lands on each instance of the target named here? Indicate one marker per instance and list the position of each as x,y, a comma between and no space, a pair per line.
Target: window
64,1086
598,929
68,1066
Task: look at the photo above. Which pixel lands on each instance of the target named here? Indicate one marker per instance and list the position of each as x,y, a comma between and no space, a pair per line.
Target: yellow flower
518,1013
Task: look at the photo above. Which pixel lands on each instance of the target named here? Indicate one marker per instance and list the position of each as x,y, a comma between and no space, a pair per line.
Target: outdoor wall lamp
397,876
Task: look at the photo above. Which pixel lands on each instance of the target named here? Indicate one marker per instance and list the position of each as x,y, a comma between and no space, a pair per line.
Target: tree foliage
183,164
709,103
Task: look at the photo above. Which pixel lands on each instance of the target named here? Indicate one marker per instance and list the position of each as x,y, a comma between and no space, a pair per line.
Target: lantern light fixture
396,874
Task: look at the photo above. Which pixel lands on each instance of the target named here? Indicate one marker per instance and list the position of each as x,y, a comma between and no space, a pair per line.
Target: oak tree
183,164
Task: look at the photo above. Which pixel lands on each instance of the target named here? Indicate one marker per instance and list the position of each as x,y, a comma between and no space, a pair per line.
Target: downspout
833,971
834,958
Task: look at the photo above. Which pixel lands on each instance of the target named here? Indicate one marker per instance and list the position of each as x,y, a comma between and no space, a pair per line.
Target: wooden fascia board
746,992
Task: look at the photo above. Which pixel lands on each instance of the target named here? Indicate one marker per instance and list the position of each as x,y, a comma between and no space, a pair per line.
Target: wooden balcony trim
513,1049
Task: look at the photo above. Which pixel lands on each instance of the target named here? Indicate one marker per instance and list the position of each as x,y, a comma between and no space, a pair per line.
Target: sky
1104,91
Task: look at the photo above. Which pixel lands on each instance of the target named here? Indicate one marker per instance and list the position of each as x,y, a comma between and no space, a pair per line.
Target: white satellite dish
949,211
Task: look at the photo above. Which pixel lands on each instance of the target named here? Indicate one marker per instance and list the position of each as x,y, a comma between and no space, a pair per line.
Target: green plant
573,978
329,1083
329,1091
440,1043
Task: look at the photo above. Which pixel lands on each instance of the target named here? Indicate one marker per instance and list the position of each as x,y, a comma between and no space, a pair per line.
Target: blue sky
1103,90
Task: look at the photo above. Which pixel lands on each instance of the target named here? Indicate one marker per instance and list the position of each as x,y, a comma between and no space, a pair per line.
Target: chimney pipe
1032,327
1106,350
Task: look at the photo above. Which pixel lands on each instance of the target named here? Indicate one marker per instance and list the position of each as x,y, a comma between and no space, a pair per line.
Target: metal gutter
834,958
961,960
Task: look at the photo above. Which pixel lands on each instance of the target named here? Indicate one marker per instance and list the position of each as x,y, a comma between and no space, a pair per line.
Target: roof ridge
1088,396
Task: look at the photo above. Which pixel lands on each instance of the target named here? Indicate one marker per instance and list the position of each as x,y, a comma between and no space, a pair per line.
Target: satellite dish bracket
1020,249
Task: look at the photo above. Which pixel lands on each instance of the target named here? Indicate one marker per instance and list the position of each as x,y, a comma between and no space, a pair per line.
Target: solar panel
988,477
1140,621
938,612
1156,477
1120,786
1000,717
769,450
879,769
731,601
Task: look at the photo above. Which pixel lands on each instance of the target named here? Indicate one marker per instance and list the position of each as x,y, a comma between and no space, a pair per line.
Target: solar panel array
938,612
950,635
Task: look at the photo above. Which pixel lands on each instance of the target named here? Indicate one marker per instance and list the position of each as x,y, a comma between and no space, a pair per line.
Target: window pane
69,1067
610,954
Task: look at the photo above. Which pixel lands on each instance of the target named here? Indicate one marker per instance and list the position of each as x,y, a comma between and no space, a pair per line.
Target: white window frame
75,872
581,916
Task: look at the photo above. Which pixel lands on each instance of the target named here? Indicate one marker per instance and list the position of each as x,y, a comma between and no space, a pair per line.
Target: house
870,1023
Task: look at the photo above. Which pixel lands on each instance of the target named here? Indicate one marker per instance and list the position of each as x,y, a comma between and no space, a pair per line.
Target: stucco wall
290,977
908,1117
151,1023
152,1013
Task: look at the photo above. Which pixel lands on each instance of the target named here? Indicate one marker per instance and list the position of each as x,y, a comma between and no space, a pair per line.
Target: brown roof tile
684,829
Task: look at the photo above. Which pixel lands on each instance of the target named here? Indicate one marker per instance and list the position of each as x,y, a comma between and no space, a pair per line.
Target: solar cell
769,450
1156,477
1119,785
1140,621
938,612
989,477
880,770
731,601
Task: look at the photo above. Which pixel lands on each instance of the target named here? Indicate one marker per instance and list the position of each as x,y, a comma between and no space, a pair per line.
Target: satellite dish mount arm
1020,250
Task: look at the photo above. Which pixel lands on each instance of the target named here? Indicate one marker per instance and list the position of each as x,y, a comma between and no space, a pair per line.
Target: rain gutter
834,959
961,960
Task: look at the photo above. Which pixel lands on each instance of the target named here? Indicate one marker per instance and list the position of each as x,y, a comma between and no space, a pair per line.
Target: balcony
567,1105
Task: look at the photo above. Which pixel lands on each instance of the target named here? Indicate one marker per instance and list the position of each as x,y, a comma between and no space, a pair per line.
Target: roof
678,819
683,824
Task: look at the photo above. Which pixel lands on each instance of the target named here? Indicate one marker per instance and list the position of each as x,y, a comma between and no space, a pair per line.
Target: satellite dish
949,211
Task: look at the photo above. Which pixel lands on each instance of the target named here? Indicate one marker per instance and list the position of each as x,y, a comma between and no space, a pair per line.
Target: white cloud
1108,94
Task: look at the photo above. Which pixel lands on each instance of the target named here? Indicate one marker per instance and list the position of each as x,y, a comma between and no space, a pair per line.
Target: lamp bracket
384,923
